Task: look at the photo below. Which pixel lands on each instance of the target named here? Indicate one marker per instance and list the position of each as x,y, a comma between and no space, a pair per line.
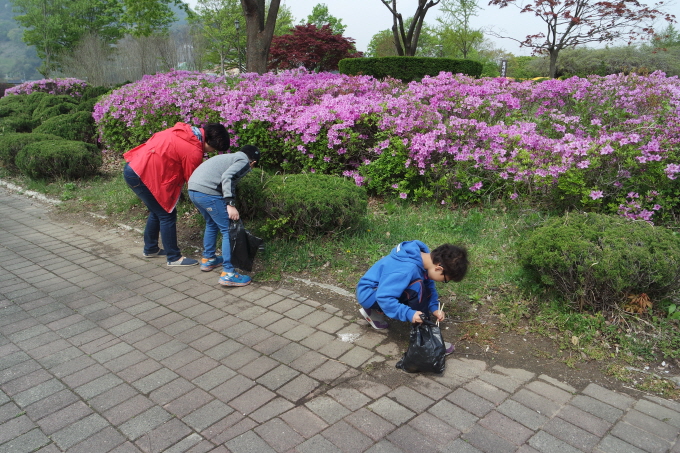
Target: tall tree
320,17
317,49
571,23
284,21
457,35
260,25
215,20
406,42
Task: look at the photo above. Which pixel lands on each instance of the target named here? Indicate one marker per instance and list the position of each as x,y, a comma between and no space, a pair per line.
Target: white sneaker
375,318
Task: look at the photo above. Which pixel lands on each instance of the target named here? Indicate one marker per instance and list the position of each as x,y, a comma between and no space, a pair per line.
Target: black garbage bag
244,246
426,351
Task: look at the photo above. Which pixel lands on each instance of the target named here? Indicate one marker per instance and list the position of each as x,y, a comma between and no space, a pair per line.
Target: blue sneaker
183,262
209,264
157,254
231,279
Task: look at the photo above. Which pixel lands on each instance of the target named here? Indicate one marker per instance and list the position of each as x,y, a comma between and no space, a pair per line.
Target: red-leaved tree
317,49
571,23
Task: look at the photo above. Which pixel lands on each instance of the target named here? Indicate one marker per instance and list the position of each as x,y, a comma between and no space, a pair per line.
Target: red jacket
165,162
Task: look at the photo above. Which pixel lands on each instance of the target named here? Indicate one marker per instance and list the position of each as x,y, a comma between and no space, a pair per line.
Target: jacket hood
183,131
409,251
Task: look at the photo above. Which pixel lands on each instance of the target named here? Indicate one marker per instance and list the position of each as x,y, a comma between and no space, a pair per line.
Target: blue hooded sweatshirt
391,275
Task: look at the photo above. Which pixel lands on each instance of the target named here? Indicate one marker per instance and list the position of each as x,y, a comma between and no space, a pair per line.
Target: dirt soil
509,349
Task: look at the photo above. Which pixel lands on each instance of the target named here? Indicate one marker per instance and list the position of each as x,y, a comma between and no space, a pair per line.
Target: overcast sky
364,18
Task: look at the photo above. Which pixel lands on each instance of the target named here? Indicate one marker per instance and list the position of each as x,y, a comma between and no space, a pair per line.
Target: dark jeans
416,296
159,220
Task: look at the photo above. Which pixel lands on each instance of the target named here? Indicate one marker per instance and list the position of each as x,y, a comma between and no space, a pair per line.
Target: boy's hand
439,315
416,318
232,212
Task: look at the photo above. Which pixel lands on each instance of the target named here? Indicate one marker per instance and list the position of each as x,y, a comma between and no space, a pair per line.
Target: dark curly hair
216,135
453,259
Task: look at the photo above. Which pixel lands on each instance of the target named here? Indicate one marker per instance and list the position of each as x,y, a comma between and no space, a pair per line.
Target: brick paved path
104,351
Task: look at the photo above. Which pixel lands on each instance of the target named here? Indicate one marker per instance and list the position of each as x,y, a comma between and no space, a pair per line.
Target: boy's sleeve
390,287
434,297
231,176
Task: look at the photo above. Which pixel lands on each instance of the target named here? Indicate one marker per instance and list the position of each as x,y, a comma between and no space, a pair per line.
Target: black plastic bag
244,246
426,351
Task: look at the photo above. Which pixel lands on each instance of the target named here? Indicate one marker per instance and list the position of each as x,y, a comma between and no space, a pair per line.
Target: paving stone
536,402
252,399
471,402
640,438
277,377
522,414
659,412
571,434
304,421
317,444
328,409
651,425
308,362
584,420
272,409
506,427
207,415
249,442
487,441
459,446
549,391
545,443
432,427
371,389
279,435
611,444
615,399
79,431
15,427
127,409
145,422
299,388
329,371
101,442
351,398
64,417
597,408
38,392
453,415
155,380
232,388
213,378
98,386
188,403
346,437
26,443
391,411
506,383
112,397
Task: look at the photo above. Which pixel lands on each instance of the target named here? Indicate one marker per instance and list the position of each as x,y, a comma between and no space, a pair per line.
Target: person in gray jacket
212,188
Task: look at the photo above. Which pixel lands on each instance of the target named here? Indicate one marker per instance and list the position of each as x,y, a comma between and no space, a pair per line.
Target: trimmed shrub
52,159
77,126
408,69
602,262
51,106
302,205
12,143
19,122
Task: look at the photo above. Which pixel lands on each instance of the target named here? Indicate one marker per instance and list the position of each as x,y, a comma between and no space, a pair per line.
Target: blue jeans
159,220
213,208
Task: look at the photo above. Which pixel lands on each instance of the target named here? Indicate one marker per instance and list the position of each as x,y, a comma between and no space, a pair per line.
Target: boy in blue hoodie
401,284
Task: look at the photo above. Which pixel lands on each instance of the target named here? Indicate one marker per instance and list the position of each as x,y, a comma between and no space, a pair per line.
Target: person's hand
439,315
232,212
416,318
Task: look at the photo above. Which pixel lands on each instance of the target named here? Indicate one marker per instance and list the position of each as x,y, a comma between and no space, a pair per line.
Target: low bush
408,69
607,263
12,143
19,122
51,106
77,126
52,159
302,205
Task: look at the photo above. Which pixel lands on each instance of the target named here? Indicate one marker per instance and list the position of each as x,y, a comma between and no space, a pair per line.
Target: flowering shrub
581,142
70,86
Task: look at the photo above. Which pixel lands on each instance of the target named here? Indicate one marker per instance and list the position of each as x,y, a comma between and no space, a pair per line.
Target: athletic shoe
449,348
160,252
183,261
209,264
231,279
375,318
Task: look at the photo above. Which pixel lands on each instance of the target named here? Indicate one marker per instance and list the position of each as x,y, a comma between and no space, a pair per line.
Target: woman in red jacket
156,172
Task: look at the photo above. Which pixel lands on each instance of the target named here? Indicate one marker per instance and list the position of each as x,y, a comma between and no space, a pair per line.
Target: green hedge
302,205
53,105
77,126
52,159
12,143
597,261
408,69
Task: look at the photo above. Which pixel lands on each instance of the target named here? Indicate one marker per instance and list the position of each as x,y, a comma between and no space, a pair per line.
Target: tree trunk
259,32
553,62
